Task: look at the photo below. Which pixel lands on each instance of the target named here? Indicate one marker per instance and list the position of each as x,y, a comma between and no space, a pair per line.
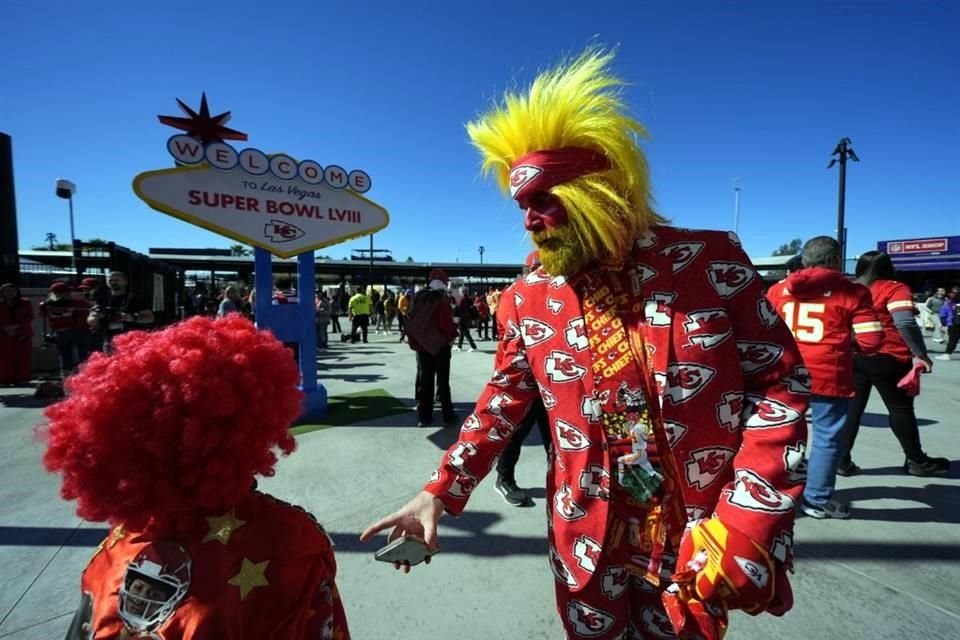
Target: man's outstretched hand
419,518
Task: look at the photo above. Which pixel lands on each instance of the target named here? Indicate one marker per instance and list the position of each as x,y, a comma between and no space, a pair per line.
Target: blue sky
756,90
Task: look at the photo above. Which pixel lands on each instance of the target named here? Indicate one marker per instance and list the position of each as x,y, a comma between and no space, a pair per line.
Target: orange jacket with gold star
264,569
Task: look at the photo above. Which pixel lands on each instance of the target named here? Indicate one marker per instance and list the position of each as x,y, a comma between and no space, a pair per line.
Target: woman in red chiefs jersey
902,346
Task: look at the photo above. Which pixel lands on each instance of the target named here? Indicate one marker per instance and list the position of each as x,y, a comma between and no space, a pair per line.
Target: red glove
718,563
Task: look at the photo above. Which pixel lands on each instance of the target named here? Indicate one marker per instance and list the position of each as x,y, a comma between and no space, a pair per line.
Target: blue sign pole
293,323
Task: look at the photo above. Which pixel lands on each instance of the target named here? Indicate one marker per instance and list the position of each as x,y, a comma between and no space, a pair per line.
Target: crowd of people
670,385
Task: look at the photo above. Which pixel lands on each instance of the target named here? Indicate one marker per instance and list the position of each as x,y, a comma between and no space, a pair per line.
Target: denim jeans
829,417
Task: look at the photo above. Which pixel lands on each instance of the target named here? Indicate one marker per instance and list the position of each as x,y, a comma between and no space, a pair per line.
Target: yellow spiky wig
577,104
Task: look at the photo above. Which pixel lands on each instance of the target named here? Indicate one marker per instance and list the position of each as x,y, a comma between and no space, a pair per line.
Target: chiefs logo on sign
463,485
757,356
638,275
730,410
751,491
765,413
461,453
675,431
656,309
681,254
560,570
521,177
588,622
587,552
768,315
561,367
614,582
700,332
704,466
472,423
683,380
534,332
576,334
564,506
569,438
795,462
555,306
800,381
729,278
595,481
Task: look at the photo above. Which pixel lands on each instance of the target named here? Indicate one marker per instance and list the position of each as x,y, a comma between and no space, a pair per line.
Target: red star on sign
202,126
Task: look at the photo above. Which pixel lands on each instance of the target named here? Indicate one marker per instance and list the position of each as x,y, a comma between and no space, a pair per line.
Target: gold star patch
250,577
116,535
223,527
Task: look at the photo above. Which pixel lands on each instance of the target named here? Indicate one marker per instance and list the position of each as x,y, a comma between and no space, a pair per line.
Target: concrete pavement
891,572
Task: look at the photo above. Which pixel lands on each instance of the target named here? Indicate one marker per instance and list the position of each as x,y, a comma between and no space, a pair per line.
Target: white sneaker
457,349
831,510
939,340
943,356
471,350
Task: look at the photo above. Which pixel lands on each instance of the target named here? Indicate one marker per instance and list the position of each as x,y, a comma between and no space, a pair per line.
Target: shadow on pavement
954,472
877,420
941,500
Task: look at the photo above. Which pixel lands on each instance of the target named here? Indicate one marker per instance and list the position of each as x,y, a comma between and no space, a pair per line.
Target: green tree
410,259
239,250
791,249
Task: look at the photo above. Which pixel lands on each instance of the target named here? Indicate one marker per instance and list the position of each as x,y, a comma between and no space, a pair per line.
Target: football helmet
154,584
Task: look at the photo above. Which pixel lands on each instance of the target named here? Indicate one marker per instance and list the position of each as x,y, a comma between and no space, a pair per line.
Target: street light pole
65,190
481,254
843,151
736,205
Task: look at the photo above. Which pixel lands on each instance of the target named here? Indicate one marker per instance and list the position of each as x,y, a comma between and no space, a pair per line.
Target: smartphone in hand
409,550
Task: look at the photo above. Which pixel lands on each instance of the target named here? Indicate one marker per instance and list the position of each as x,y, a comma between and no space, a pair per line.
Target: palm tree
239,250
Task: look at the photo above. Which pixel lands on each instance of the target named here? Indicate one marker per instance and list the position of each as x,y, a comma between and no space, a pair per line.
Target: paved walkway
889,573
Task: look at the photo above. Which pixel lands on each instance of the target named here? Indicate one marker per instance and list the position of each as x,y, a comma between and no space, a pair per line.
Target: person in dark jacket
430,336
465,311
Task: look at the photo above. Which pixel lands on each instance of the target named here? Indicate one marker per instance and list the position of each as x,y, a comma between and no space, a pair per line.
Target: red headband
541,170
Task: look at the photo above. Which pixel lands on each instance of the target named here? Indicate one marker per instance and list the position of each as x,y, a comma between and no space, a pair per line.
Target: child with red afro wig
163,439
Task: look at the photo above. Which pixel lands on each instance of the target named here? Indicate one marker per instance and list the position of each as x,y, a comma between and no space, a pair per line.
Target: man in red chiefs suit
675,393
826,313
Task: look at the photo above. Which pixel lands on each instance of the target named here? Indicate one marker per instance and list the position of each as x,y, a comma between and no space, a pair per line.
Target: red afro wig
173,423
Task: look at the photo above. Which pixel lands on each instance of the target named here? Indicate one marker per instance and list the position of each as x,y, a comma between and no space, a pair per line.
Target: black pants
883,372
433,368
335,323
360,322
507,463
465,331
953,336
483,329
401,326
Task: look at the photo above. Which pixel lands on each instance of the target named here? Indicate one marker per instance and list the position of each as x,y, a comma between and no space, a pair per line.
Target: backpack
421,326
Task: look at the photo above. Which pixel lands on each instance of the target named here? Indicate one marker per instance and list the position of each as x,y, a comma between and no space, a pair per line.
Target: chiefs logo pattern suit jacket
732,389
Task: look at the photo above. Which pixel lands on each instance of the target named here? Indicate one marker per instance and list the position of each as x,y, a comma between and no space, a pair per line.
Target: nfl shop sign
928,245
